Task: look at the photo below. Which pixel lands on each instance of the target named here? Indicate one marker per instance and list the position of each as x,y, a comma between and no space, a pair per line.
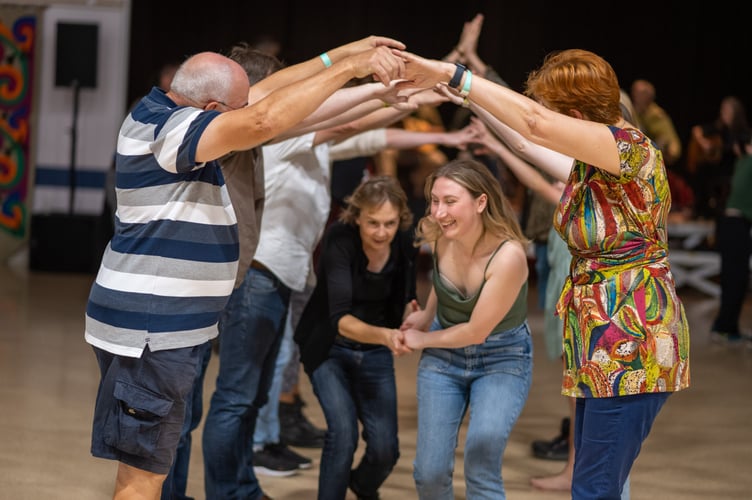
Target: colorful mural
17,39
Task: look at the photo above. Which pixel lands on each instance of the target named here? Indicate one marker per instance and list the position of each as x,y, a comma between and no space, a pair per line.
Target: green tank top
453,308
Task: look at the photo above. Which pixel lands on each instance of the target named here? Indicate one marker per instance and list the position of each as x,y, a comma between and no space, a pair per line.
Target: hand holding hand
449,93
371,42
481,130
396,343
460,139
428,97
385,64
423,73
483,138
415,339
392,96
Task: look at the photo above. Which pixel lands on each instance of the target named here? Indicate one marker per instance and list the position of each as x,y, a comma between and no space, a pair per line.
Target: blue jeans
250,332
351,385
608,435
493,380
267,421
175,484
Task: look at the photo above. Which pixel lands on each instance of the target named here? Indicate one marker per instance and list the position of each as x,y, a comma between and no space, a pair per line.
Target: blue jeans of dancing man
251,329
267,429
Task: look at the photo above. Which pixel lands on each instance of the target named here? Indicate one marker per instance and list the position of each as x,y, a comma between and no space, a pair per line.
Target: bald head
643,94
208,76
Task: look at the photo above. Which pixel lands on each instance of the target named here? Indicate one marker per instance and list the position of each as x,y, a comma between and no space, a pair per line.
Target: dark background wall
694,52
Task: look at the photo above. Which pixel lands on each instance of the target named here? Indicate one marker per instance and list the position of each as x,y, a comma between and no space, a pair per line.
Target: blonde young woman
477,350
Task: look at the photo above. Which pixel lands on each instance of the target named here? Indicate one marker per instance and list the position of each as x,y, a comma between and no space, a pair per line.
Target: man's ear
575,113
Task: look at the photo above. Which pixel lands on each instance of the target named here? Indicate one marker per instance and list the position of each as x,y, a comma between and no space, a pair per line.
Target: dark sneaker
363,496
268,462
557,448
295,429
286,453
730,338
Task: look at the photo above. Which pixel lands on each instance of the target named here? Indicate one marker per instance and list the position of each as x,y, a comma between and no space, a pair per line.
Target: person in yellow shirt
655,121
658,125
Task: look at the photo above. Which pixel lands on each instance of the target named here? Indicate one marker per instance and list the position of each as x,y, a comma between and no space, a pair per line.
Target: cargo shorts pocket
134,423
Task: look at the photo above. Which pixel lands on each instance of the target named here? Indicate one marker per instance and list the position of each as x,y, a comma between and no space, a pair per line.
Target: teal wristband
468,81
325,58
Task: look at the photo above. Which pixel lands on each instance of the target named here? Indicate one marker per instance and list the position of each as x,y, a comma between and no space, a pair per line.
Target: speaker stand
74,141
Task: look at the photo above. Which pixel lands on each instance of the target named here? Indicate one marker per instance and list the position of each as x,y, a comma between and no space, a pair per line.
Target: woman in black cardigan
349,333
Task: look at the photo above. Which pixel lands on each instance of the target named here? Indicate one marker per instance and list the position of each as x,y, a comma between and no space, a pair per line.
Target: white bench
696,269
690,266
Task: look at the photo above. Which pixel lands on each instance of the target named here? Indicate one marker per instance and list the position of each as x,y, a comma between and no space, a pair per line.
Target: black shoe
269,461
375,496
284,452
362,496
295,429
557,448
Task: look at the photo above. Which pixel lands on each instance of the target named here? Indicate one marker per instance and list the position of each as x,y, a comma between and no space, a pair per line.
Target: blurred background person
712,151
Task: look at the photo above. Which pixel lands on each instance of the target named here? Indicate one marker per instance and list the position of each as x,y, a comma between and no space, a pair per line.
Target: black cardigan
341,269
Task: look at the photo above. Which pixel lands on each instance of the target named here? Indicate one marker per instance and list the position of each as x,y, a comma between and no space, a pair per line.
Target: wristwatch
457,78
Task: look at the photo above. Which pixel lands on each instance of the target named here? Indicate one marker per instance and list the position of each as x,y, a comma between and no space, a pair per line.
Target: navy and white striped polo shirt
169,269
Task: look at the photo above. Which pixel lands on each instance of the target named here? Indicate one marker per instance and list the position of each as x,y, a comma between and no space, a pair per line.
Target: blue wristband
468,81
325,58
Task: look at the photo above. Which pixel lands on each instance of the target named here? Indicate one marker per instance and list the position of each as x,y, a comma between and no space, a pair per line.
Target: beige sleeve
364,144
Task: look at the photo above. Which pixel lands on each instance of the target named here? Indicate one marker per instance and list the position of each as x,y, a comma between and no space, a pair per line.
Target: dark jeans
250,332
175,484
352,385
608,435
733,243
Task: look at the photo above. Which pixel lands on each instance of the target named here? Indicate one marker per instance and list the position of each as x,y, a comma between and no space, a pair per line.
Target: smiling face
378,225
454,208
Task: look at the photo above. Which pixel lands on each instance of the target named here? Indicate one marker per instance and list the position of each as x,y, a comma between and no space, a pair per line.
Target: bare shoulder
510,256
514,249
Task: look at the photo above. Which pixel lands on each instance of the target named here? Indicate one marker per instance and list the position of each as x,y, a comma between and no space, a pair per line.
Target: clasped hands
389,63
409,336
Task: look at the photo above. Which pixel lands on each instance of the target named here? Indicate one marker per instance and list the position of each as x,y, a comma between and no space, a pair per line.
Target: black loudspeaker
66,243
76,56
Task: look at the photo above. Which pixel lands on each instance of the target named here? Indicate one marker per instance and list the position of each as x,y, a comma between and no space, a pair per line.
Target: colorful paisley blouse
625,331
